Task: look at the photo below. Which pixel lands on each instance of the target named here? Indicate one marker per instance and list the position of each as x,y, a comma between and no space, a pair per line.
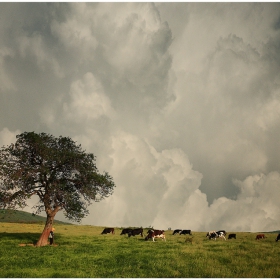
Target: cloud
162,189
7,137
6,83
76,33
222,109
178,101
150,184
263,191
255,208
35,46
88,101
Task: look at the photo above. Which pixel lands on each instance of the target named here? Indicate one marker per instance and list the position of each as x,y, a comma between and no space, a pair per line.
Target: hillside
17,216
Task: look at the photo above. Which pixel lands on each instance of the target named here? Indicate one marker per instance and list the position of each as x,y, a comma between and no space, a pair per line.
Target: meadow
82,252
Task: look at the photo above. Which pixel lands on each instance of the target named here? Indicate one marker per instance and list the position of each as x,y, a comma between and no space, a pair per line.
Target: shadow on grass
21,237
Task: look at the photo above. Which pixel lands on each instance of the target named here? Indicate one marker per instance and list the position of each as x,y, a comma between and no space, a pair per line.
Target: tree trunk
43,240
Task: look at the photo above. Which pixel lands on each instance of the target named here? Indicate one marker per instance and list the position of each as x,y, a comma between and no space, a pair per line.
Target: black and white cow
126,230
278,237
108,230
176,231
223,231
212,234
136,231
215,234
155,233
186,231
232,235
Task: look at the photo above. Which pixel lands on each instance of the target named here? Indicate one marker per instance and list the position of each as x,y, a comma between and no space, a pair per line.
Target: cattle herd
155,233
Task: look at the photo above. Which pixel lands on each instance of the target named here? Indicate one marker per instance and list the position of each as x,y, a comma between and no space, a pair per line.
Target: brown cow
260,236
155,233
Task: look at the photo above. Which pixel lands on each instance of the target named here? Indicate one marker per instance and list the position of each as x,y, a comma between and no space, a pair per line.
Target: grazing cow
155,233
209,233
214,235
232,235
136,231
186,231
221,234
126,230
260,236
176,231
108,230
278,237
225,233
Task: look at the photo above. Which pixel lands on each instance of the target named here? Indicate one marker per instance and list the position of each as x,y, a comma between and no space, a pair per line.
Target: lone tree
56,170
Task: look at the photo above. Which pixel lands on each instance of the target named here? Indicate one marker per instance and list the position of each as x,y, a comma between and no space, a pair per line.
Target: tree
56,170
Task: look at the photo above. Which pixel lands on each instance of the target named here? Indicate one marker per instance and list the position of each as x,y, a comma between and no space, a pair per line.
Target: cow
155,233
224,232
186,231
176,231
278,237
126,230
214,235
232,235
209,233
108,230
136,231
221,234
260,236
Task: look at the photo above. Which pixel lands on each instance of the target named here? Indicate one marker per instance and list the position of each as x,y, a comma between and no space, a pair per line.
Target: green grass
82,252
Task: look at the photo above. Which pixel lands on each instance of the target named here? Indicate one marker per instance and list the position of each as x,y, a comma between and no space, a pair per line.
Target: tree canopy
57,170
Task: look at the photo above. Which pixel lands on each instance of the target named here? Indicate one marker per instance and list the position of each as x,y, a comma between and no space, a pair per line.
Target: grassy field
82,252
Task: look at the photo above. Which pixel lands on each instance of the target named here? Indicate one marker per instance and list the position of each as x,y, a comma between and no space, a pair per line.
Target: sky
179,102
